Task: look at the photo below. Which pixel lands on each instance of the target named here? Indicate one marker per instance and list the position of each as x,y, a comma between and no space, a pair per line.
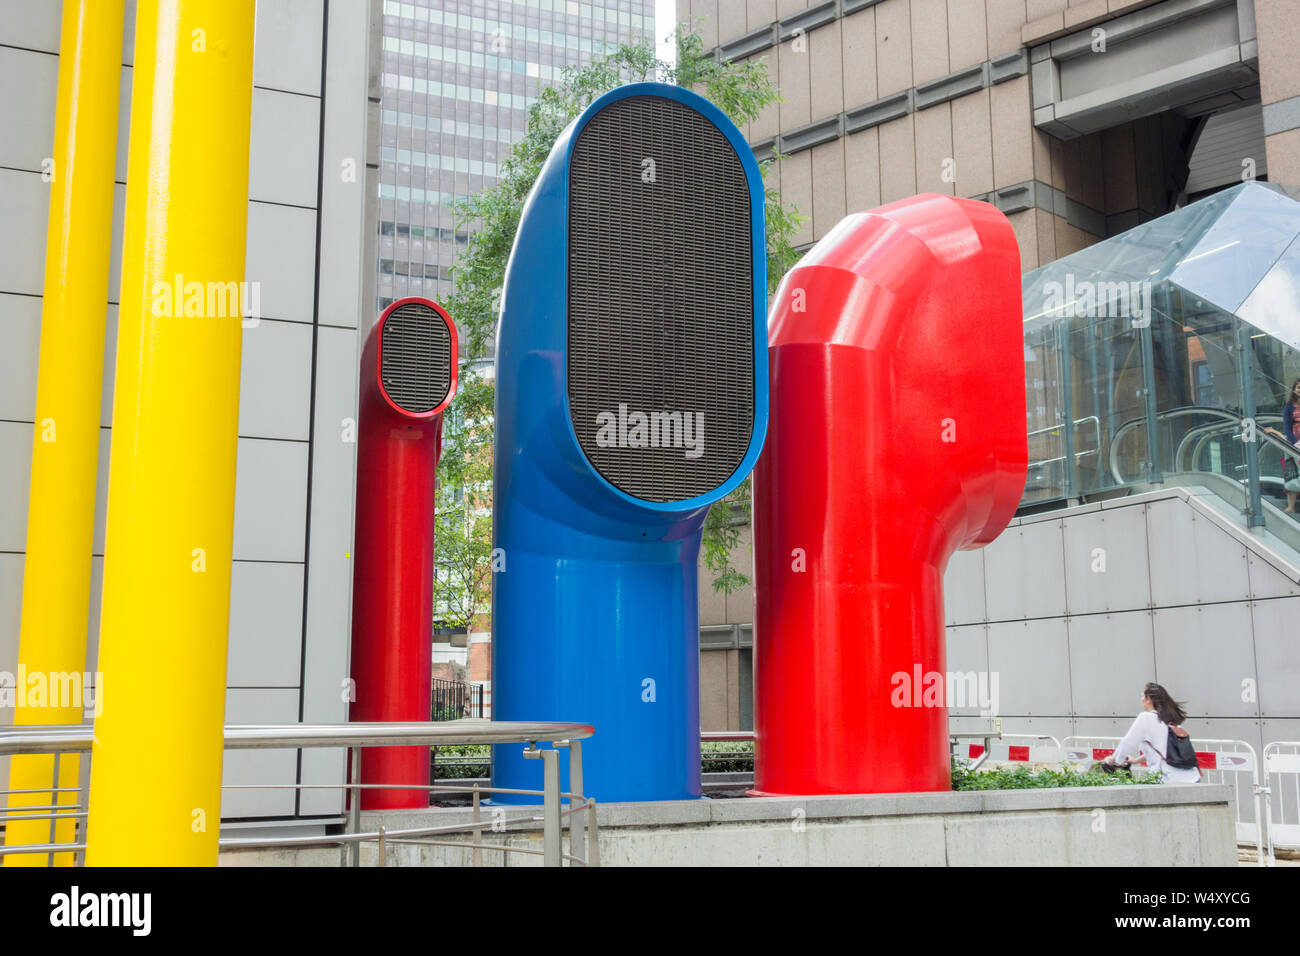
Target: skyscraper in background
458,77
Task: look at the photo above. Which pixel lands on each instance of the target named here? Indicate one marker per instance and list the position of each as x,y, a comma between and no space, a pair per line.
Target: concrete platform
1158,825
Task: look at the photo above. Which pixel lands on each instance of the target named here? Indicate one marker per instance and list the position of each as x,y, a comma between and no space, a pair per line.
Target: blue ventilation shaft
631,394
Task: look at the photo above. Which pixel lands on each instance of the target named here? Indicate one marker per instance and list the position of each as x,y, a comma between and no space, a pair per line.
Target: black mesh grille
415,359
661,304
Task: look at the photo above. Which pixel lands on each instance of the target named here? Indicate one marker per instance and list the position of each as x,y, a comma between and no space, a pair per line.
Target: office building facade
456,81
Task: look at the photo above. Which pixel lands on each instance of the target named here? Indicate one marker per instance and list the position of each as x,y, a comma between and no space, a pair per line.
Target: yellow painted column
155,786
65,449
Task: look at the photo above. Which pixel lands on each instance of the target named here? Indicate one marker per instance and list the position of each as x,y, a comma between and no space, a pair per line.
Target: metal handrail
431,733
60,739
53,739
1193,443
1060,427
333,839
1206,432
1226,417
78,738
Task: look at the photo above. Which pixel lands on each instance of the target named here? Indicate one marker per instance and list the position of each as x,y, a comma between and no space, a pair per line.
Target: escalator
1205,447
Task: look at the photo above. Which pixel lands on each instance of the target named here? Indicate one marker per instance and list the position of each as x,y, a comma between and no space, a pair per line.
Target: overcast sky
665,19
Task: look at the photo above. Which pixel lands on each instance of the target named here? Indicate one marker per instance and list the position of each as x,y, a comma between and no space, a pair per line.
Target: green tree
463,533
463,581
491,218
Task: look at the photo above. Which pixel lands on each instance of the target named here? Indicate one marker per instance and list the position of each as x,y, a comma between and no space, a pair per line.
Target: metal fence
1282,794
456,700
583,843
997,747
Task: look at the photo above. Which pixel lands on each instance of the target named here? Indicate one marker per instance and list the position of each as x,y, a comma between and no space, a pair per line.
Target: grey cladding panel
415,357
660,299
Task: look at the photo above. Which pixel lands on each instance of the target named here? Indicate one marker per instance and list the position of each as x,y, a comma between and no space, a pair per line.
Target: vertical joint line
311,406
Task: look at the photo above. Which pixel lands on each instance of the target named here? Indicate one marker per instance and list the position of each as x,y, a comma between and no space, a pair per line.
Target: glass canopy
1185,328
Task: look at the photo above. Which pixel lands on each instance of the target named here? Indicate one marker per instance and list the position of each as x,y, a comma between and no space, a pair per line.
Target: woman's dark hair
1169,711
1290,396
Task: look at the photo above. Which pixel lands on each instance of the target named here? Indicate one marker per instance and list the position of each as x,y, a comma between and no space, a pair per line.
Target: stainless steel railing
1067,442
580,813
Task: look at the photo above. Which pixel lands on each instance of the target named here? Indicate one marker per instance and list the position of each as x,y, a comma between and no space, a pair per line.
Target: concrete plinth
1158,825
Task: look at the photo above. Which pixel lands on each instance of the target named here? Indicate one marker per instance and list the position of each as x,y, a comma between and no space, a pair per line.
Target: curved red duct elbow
897,436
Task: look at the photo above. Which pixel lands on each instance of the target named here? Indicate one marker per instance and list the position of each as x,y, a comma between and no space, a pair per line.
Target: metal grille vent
661,311
415,357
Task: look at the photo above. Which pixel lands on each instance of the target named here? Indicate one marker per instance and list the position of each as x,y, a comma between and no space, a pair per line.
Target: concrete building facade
1077,118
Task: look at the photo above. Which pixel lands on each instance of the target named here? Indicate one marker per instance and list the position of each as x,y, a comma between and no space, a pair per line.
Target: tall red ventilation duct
408,377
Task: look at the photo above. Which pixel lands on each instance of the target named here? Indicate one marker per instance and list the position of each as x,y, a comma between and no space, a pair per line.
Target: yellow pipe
65,449
155,785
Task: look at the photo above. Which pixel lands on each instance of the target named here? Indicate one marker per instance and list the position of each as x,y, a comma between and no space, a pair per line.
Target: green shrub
1022,778
461,768
742,760
456,763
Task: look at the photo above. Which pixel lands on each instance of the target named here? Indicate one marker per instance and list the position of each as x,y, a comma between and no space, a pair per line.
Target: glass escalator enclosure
1157,355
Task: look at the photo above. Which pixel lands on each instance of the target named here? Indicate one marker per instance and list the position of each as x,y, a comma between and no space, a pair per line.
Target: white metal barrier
1221,761
1282,764
1039,748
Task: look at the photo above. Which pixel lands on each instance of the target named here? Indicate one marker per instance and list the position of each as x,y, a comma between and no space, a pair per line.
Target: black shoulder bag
1179,752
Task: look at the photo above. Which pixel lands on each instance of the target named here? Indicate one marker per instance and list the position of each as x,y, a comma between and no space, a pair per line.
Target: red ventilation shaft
897,436
408,376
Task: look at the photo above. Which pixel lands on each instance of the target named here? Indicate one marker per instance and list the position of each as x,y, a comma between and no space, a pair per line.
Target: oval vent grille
660,300
415,357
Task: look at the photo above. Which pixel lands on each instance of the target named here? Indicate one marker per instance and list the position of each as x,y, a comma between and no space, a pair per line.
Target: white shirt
1150,736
